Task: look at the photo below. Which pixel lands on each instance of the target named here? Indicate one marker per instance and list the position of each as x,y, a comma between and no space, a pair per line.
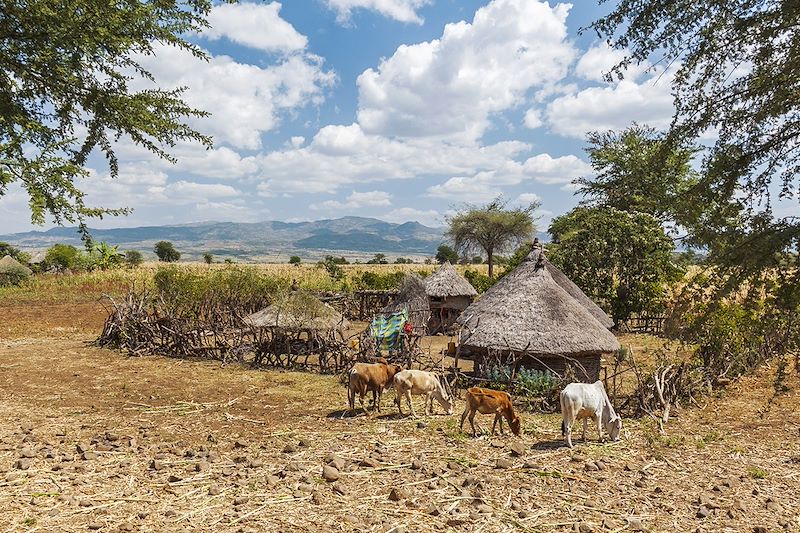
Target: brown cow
488,401
375,377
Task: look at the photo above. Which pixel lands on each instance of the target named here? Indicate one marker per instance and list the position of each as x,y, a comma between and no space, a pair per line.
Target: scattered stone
85,503
330,473
289,448
254,462
416,464
227,470
612,524
703,511
340,489
523,514
432,510
212,457
273,480
640,483
421,425
52,512
784,523
502,462
707,501
142,515
774,506
591,466
337,462
515,506
174,479
211,438
82,447
456,522
94,526
305,487
629,467
584,527
316,498
157,464
760,529
517,449
600,465
532,465
398,494
454,466
103,448
241,500
111,436
28,452
635,524
23,464
201,466
88,455
171,513
370,462
240,443
496,444
125,526
486,509
213,490
303,443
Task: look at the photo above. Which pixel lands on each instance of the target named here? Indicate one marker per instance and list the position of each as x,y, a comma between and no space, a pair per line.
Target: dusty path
157,444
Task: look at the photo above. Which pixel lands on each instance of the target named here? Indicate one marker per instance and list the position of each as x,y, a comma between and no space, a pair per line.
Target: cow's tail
563,428
351,393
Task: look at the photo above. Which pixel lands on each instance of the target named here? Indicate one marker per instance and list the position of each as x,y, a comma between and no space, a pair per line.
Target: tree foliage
69,77
166,252
104,256
13,251
133,258
295,260
735,67
63,257
445,253
637,169
491,228
208,258
622,259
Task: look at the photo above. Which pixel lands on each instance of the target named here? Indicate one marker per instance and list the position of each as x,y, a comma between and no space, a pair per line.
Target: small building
448,294
298,311
530,320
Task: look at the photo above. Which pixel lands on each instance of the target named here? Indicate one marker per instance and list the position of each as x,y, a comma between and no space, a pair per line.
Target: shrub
133,258
481,282
63,257
379,282
208,257
13,274
295,260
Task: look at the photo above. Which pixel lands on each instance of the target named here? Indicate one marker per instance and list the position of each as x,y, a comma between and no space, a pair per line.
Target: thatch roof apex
527,311
8,261
412,296
446,281
298,311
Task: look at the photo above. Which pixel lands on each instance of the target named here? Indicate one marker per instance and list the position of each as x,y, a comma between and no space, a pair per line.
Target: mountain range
354,237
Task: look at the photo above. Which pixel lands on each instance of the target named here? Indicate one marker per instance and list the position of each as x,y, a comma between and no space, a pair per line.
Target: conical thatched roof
296,311
568,285
412,296
7,261
447,282
527,311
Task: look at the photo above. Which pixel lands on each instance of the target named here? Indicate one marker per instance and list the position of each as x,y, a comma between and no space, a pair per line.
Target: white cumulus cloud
450,87
401,10
356,200
254,25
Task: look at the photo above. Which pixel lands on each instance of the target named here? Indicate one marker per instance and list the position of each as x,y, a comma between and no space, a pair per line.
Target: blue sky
397,109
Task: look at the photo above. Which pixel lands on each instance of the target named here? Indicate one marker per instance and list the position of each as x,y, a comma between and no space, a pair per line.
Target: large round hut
529,320
449,294
298,311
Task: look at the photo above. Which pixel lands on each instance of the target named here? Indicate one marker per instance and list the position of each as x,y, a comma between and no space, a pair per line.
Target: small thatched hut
449,295
528,319
298,311
412,296
9,262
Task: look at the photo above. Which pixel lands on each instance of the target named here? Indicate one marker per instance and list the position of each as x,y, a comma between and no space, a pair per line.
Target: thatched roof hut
412,296
449,294
529,317
297,311
447,282
8,262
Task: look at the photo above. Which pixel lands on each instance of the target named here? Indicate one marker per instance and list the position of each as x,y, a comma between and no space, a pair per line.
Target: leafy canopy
445,253
67,75
491,228
166,252
620,258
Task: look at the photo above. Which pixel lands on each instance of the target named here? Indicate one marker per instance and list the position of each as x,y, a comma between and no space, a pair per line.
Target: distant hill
354,237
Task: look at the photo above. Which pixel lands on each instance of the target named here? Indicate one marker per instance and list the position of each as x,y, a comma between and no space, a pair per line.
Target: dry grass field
93,440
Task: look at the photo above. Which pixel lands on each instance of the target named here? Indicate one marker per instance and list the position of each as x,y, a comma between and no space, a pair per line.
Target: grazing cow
488,401
432,385
585,401
375,377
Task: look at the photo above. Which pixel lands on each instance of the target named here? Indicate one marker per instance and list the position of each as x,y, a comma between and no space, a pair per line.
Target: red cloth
408,328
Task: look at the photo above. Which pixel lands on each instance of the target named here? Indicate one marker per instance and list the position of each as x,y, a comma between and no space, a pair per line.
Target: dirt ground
93,440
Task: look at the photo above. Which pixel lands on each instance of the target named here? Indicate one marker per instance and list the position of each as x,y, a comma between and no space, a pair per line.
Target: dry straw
446,282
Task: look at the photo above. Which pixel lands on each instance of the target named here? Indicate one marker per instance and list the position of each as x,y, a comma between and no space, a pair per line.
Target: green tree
478,260
445,253
734,68
166,252
295,260
63,257
133,258
638,169
491,228
208,257
617,257
378,259
67,87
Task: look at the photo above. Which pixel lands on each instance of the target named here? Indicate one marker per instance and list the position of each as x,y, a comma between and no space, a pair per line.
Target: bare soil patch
93,440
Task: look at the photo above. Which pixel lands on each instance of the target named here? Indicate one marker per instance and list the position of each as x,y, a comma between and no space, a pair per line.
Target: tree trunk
490,260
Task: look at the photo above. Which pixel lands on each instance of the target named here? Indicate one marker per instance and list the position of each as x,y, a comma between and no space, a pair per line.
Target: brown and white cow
374,377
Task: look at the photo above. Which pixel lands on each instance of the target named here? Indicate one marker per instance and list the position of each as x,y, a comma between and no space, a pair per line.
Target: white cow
417,382
585,401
